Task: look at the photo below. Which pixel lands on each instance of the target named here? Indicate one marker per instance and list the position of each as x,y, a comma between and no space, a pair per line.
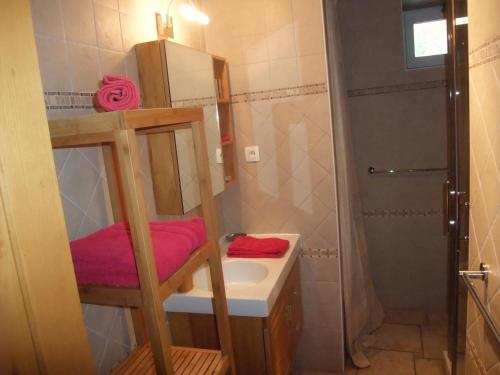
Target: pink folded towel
251,247
106,257
117,93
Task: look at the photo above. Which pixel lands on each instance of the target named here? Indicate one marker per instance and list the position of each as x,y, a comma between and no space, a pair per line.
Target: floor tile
437,320
429,367
398,337
413,317
435,341
388,363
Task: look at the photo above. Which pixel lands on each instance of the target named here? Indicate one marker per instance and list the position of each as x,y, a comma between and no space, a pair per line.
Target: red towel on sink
251,247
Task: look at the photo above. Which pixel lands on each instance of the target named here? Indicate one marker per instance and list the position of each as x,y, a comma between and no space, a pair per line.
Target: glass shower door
456,192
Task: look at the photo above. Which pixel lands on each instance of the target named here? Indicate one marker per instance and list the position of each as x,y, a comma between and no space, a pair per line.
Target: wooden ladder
116,132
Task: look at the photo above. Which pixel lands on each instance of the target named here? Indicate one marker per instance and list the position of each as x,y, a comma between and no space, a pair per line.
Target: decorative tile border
396,88
319,253
400,212
69,100
85,100
198,102
286,92
485,53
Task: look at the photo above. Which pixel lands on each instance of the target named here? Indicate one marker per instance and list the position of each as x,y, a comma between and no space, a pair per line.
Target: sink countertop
255,300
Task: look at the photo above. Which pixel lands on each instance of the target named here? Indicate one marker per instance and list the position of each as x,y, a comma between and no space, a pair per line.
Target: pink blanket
106,256
117,93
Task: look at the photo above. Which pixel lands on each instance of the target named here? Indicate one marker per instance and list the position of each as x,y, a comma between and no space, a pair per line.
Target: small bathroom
266,187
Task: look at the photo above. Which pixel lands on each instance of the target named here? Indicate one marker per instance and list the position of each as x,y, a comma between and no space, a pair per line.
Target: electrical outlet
252,154
218,156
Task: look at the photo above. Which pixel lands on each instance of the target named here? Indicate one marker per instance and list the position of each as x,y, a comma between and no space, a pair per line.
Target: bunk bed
116,132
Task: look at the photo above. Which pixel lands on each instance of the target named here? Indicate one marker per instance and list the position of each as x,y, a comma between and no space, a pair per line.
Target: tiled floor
408,343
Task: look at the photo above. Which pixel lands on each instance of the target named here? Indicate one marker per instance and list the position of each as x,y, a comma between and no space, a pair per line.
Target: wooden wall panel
34,219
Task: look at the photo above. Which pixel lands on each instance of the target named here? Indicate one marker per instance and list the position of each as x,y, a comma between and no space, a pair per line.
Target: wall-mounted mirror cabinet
173,75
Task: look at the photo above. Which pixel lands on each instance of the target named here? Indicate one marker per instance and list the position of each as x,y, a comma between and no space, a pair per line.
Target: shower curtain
362,310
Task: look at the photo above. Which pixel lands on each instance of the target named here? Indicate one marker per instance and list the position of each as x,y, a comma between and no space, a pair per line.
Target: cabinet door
280,361
284,325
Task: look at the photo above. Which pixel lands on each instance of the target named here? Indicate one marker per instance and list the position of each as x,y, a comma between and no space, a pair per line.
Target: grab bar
467,277
372,170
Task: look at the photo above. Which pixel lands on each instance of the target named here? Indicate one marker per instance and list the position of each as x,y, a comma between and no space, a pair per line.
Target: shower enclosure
409,124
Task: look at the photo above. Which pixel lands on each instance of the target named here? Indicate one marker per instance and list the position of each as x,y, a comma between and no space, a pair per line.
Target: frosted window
426,40
430,38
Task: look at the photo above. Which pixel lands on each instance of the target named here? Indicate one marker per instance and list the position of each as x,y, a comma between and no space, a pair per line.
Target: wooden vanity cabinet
264,346
283,326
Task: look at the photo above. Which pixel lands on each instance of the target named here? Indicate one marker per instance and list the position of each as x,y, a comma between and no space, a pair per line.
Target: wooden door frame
45,331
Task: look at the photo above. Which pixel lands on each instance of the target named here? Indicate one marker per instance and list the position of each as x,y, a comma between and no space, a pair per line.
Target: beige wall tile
253,49
112,62
54,64
315,269
79,21
108,28
312,69
109,3
484,16
482,351
47,18
278,14
307,12
114,353
84,67
281,43
309,40
131,67
284,73
97,346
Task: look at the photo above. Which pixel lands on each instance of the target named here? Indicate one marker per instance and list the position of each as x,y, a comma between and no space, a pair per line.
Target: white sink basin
237,274
252,284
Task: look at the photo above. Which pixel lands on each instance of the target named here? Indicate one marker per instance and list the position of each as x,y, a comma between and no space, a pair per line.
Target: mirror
191,83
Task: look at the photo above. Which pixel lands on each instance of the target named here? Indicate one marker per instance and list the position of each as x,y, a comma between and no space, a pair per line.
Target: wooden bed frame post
129,166
211,221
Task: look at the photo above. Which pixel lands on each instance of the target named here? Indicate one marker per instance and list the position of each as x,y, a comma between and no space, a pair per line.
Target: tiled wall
78,41
276,55
398,119
483,354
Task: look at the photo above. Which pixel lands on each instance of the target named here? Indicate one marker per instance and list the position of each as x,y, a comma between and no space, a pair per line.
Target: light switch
218,156
252,154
